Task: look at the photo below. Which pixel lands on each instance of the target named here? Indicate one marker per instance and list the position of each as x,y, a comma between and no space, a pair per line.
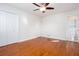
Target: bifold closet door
73,30
8,28
3,33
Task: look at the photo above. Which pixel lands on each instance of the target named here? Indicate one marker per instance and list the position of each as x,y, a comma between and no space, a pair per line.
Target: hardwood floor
41,46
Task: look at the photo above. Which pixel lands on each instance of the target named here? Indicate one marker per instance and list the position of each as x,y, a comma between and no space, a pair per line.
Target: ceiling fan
43,7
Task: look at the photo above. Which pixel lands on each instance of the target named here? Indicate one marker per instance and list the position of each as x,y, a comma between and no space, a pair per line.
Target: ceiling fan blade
36,4
35,9
46,4
49,8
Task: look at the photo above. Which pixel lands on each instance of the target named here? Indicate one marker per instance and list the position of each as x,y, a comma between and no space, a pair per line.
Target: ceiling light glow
42,9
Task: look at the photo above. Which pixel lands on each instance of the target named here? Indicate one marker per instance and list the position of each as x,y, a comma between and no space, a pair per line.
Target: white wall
56,25
28,25
29,28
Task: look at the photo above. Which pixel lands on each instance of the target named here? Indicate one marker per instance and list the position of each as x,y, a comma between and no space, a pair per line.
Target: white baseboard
59,38
26,39
21,40
33,38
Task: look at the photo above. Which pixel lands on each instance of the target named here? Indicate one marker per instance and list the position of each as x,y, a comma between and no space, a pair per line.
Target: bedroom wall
28,25
57,25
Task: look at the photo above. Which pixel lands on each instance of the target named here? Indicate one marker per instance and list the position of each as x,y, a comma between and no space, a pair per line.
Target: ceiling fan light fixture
42,8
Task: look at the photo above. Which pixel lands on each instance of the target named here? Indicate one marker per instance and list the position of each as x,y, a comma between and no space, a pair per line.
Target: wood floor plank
41,46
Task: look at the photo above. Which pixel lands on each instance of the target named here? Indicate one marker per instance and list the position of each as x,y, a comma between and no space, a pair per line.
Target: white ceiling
59,7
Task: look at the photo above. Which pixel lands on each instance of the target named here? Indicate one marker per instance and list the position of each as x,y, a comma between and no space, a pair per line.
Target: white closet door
12,27
8,28
3,33
72,31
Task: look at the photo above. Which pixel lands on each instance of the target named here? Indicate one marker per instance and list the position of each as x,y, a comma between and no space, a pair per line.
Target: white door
3,33
72,30
8,28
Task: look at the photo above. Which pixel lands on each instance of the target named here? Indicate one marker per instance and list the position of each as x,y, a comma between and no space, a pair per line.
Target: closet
9,27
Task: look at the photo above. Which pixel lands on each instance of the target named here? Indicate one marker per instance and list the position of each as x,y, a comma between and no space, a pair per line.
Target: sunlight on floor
55,41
